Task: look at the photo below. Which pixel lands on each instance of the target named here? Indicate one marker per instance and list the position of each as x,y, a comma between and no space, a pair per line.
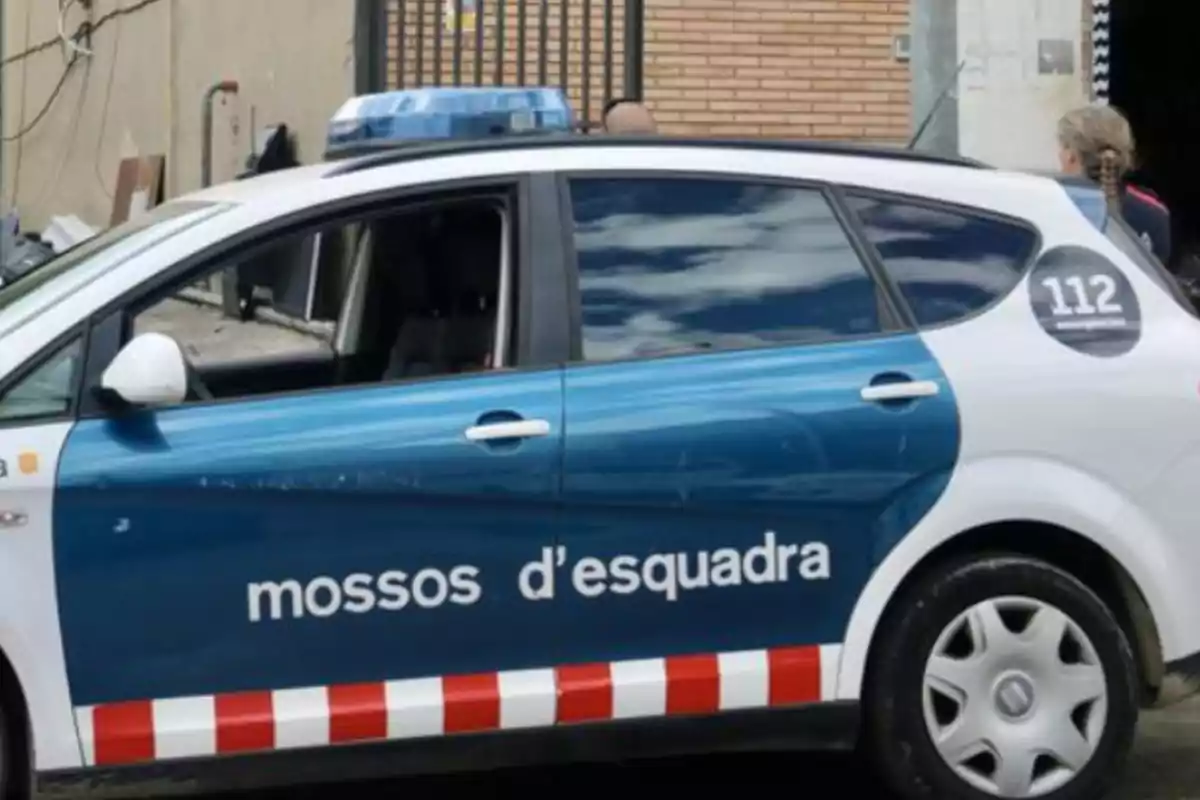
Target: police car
568,447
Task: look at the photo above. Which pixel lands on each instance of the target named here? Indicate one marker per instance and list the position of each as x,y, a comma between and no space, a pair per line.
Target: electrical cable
76,53
112,71
73,136
21,119
45,109
84,28
67,42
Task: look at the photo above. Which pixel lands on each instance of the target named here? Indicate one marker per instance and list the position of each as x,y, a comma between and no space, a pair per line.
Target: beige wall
292,58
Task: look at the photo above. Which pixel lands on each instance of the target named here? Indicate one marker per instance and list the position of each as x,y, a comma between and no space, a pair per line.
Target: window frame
894,316
535,342
847,192
79,333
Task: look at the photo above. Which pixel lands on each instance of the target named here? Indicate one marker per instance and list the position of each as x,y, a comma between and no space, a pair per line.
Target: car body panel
182,539
769,457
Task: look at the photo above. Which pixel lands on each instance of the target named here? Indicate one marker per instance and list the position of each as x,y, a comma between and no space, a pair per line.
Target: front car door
749,419
302,568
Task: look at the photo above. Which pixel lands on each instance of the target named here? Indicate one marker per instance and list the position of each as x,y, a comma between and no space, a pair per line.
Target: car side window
274,303
947,264
670,266
422,290
46,392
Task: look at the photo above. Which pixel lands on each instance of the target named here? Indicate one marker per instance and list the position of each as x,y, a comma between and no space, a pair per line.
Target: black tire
894,733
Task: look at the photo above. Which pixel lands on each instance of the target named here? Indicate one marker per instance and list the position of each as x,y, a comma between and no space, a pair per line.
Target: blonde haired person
1084,136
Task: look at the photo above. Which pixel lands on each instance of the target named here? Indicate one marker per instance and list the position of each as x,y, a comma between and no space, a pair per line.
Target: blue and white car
583,446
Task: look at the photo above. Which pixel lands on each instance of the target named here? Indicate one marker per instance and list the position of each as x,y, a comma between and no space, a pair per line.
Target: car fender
1028,488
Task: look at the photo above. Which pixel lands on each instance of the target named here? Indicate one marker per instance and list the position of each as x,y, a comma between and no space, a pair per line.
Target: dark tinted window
946,264
675,266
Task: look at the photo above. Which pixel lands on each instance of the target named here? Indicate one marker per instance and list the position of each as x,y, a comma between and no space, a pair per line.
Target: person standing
1085,135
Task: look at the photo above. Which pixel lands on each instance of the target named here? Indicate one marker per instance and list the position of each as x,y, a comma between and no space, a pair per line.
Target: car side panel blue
164,520
687,456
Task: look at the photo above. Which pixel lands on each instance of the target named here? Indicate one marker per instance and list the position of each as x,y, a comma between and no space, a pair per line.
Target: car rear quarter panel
1106,447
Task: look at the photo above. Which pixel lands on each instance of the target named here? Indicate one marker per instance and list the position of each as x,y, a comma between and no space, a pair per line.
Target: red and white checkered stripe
226,724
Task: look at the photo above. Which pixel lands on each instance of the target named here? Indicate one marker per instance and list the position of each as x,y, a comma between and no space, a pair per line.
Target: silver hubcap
1015,698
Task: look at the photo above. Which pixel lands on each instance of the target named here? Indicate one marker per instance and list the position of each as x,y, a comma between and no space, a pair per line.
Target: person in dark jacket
1084,136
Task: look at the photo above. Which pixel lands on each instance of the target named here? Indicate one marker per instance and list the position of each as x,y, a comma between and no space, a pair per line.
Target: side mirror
149,371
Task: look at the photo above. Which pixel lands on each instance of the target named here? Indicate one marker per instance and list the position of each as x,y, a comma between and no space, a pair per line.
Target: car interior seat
472,266
444,273
406,274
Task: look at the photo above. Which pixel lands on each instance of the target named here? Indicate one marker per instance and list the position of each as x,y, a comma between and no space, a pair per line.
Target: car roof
391,154
260,186
288,180
873,168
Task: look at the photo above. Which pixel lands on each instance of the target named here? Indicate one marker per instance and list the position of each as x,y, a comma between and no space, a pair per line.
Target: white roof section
1014,193
250,189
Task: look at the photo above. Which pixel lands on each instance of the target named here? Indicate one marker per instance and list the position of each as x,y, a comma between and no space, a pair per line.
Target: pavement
1165,766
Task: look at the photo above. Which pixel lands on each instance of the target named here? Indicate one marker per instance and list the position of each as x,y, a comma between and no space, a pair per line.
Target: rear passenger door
749,420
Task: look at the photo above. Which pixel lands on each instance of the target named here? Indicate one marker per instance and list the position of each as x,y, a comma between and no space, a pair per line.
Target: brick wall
783,68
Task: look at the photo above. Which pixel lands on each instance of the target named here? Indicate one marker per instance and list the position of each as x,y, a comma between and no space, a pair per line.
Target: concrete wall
1026,63
140,93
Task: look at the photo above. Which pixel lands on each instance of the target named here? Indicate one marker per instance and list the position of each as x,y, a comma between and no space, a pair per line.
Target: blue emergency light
372,122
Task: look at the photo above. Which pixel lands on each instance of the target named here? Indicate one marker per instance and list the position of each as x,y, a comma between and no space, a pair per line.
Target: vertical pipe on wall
635,42
420,65
370,46
543,41
401,39
585,55
564,46
480,16
457,51
501,14
522,36
608,51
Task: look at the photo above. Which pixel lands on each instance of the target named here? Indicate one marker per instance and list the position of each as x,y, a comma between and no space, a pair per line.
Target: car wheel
1000,676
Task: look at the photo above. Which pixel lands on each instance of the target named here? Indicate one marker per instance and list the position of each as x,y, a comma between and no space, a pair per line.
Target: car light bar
392,119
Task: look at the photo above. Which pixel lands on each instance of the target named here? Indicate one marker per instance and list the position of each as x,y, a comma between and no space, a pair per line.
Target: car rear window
947,263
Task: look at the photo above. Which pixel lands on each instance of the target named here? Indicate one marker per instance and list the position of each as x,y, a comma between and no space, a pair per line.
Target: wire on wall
98,158
52,185
21,120
45,109
68,42
84,30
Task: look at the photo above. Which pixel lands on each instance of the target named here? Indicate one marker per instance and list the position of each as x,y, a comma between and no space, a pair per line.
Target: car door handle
908,390
516,429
